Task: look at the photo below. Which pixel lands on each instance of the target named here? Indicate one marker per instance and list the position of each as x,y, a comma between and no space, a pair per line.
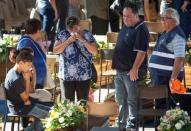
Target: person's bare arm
25,96
59,46
53,4
176,67
91,47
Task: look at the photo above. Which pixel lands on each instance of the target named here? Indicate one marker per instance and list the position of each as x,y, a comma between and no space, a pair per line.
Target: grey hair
174,14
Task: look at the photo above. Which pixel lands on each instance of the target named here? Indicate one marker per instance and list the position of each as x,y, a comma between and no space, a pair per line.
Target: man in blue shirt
129,60
166,61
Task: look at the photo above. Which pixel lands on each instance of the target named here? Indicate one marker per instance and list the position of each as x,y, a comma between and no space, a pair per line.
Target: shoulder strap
82,54
36,48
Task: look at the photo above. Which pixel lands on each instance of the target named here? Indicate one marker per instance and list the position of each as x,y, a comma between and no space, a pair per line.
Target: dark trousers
62,6
114,20
99,26
80,87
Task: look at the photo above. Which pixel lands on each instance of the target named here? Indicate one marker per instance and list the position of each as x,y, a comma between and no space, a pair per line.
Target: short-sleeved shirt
130,40
39,60
14,85
72,65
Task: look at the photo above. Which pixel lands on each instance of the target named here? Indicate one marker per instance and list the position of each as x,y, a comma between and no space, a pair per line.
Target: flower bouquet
175,120
64,115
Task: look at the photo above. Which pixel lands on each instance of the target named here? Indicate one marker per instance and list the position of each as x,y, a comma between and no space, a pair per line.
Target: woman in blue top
75,70
32,35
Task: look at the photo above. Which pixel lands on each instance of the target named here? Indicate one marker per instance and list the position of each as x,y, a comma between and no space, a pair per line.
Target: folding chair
86,24
4,110
155,29
106,57
105,68
105,109
151,93
111,37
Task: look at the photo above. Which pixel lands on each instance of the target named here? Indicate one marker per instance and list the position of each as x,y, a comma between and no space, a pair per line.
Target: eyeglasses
166,18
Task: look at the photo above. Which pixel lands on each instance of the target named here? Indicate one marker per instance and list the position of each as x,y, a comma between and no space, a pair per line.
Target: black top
130,40
14,85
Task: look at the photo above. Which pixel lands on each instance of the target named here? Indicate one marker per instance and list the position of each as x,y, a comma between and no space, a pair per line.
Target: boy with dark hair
18,84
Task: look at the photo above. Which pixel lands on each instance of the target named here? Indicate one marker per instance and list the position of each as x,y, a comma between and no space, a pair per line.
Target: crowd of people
76,47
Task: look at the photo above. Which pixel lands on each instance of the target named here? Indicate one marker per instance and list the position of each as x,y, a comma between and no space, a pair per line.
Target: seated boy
19,82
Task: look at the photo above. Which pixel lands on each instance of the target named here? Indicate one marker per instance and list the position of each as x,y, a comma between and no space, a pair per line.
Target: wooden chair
105,68
187,77
105,109
86,24
151,93
155,29
4,110
112,37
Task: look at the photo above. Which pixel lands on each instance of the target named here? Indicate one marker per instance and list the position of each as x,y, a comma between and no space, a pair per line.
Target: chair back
187,77
112,37
154,27
108,108
154,92
106,54
86,24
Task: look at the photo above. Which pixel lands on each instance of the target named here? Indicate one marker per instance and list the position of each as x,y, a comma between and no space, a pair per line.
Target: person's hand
27,75
133,73
72,38
55,16
79,37
184,6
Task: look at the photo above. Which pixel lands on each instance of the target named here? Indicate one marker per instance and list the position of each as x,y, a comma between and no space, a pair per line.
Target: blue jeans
47,16
126,97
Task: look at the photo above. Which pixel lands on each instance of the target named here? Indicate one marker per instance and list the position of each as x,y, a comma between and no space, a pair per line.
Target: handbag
94,71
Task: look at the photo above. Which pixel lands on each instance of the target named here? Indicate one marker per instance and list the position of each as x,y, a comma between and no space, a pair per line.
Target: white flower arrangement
64,114
175,120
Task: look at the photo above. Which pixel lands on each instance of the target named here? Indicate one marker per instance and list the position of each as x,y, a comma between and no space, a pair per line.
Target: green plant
102,44
4,43
63,115
175,120
188,55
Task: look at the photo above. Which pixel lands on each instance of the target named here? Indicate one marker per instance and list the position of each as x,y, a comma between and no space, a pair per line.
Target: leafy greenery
188,54
63,115
4,43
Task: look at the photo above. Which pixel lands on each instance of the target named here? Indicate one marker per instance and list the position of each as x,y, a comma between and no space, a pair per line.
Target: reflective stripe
162,54
162,67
